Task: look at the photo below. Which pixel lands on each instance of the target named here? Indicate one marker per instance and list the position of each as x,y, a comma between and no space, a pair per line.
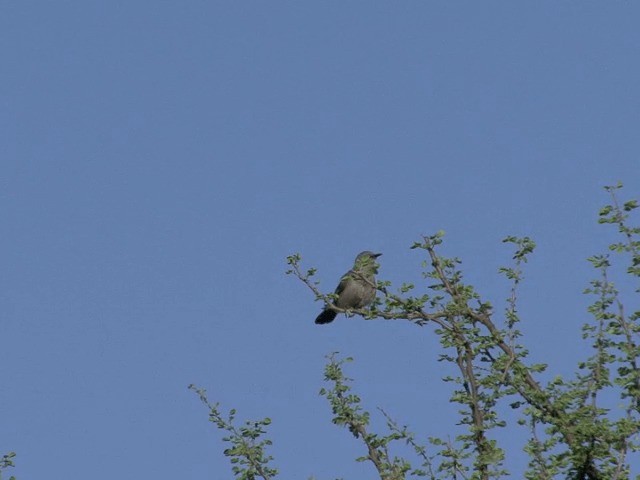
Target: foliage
584,427
7,461
247,453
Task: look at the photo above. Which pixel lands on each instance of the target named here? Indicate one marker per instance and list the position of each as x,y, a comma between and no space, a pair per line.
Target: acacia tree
583,428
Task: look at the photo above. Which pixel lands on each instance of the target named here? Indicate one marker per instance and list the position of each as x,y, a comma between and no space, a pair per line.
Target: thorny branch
471,331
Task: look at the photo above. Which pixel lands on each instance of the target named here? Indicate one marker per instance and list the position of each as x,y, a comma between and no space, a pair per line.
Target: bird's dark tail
327,316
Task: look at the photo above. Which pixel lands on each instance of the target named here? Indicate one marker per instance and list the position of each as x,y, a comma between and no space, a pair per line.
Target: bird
357,287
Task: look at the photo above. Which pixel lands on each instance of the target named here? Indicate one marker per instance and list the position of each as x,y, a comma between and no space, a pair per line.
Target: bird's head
367,261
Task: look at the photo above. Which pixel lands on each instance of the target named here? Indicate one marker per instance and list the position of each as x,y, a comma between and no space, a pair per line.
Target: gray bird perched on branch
357,287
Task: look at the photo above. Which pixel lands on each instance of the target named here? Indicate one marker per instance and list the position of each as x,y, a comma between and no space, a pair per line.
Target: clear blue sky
159,160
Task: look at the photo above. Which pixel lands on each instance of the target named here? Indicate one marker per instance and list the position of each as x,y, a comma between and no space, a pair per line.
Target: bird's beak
376,255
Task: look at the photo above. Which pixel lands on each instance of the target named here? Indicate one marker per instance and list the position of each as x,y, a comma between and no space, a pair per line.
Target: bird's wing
343,283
